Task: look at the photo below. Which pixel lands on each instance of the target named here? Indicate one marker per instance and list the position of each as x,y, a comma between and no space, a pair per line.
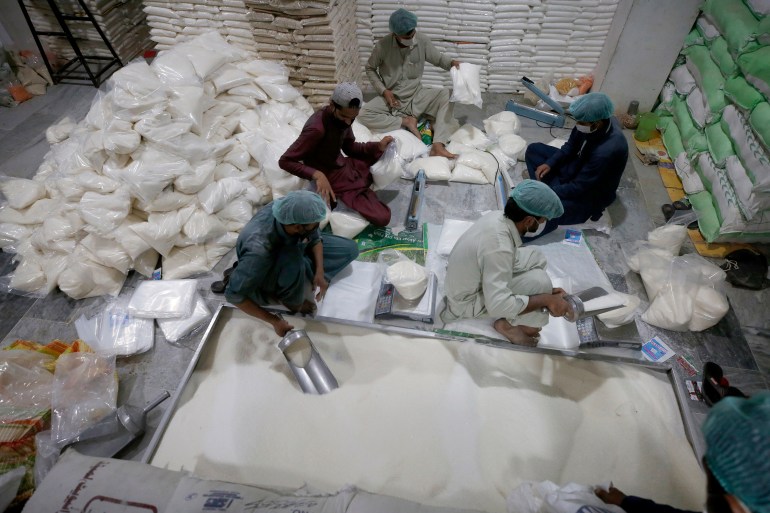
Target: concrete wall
641,47
14,32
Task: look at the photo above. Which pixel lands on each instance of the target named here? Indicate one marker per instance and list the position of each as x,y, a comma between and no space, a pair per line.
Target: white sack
347,224
21,192
465,84
436,168
470,136
505,122
163,299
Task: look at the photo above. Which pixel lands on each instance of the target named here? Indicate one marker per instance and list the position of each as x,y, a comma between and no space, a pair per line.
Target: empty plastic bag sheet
465,84
163,299
175,329
352,294
451,232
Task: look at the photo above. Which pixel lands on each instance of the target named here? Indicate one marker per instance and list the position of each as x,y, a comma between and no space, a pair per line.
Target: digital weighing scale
391,305
594,333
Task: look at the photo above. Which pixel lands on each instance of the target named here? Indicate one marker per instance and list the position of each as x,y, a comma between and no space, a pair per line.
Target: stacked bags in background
172,160
316,41
715,119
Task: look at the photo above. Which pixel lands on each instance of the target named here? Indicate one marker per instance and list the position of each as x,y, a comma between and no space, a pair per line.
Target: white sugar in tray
439,422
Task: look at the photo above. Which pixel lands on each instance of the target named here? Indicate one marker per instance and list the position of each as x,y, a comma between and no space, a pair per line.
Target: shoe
693,226
715,386
668,211
218,287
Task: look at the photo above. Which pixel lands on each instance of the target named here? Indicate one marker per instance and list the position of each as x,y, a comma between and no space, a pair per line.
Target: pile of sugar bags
172,160
685,292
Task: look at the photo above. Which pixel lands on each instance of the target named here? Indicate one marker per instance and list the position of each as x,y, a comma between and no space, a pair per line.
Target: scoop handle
155,402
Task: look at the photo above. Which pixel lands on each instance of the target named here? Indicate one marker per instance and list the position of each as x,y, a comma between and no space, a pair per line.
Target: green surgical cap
592,107
299,207
538,199
402,22
737,433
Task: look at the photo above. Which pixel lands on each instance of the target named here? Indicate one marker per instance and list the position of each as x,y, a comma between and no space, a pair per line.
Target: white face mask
540,228
585,129
407,42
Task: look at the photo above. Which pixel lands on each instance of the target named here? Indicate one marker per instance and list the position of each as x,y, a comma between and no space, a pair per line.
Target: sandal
715,386
668,211
218,287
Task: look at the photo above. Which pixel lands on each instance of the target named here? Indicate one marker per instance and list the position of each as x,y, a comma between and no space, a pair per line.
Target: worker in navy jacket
586,171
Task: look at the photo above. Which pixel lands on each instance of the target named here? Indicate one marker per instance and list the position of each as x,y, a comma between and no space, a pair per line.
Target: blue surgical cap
737,433
592,107
402,22
299,207
538,199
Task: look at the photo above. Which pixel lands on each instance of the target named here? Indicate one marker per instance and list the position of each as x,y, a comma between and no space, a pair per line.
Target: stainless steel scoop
576,304
312,374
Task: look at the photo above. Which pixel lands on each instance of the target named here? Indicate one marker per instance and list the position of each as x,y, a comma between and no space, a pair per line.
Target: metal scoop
577,308
312,374
113,432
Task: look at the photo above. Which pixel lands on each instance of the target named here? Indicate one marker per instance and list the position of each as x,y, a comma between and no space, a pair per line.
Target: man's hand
557,306
559,290
324,188
613,496
390,99
456,64
383,144
541,171
280,326
319,282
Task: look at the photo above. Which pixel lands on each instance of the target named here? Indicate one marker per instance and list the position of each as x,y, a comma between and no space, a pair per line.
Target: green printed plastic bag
760,122
694,141
693,38
742,94
735,22
720,145
707,76
672,140
756,68
708,222
722,57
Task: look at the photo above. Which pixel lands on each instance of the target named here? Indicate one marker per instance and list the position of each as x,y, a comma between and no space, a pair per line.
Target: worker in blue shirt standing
586,171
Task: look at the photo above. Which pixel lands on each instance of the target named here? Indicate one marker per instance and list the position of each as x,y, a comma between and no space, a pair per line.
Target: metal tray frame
696,442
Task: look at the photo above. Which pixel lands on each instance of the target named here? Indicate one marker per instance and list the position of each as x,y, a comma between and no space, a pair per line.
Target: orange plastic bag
19,92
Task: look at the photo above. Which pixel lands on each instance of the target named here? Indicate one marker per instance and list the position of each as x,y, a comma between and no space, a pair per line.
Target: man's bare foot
410,123
439,150
307,307
519,335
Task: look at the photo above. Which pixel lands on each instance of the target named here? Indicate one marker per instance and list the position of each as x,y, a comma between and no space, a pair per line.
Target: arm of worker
317,252
280,326
372,66
567,151
244,279
496,285
435,57
369,151
292,162
587,178
631,504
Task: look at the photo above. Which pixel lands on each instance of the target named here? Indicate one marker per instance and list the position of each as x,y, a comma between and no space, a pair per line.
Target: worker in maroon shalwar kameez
316,155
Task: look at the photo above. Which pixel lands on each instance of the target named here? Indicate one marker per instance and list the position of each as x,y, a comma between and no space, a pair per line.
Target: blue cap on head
592,107
737,434
538,199
402,22
299,207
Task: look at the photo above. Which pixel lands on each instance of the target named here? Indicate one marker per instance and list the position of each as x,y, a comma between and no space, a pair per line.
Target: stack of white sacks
177,22
509,39
172,160
175,158
123,23
316,41
364,37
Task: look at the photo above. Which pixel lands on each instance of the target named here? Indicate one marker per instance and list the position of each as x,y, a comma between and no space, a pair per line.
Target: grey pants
377,116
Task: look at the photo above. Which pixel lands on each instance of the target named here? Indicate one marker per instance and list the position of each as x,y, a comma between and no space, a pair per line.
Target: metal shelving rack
81,68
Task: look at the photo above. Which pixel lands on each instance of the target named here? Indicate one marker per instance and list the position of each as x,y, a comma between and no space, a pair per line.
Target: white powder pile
442,423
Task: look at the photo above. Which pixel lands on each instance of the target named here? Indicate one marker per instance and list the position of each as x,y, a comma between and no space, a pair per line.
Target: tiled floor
22,147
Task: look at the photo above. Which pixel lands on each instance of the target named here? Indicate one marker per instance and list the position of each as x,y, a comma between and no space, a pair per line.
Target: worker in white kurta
490,274
395,70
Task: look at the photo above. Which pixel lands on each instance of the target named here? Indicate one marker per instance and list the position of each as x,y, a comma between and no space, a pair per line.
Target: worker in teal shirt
282,256
585,172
